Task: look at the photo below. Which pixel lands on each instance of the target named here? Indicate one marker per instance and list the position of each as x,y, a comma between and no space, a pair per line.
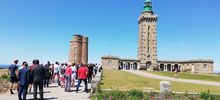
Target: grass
186,75
4,75
114,79
3,71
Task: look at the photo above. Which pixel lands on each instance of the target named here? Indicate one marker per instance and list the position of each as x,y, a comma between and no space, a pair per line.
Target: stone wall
204,68
119,64
110,62
96,82
195,66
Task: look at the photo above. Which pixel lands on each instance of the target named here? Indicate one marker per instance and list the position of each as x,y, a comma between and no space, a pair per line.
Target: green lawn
114,79
186,75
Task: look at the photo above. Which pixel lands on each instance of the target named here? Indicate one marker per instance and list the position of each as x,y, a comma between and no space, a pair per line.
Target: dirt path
154,76
53,93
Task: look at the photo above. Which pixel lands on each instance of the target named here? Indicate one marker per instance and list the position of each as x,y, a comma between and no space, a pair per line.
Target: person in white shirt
56,72
74,72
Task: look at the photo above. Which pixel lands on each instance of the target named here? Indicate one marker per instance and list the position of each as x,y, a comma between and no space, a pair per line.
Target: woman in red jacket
68,74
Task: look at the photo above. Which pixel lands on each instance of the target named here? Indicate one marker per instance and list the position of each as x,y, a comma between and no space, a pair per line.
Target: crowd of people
38,76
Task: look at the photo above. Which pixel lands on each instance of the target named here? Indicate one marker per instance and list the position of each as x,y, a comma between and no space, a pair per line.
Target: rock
165,86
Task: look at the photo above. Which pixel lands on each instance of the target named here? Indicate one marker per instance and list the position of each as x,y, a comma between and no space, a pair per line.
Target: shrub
115,95
5,77
140,95
206,96
136,93
119,95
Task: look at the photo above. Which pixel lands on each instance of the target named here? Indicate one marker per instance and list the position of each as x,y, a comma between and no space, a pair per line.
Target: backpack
62,71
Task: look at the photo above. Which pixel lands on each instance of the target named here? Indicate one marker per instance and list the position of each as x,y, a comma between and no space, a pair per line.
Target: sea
4,66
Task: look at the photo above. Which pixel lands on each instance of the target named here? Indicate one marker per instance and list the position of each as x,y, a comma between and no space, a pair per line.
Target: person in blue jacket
23,77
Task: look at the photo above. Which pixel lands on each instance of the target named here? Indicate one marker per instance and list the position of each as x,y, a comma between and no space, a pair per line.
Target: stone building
118,63
78,49
147,51
195,66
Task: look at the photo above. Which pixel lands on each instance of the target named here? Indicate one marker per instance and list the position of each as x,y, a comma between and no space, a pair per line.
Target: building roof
127,60
187,61
147,1
147,5
110,57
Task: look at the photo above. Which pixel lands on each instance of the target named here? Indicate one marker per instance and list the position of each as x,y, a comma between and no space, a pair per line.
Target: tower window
148,38
75,49
75,57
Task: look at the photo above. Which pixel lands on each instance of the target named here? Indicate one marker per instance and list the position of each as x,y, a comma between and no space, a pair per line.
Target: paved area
53,93
165,78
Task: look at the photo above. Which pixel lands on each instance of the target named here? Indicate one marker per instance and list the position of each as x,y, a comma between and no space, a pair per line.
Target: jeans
58,79
67,83
40,85
79,82
22,91
46,82
89,79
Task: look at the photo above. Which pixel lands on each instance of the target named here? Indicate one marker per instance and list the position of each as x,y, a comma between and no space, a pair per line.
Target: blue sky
29,29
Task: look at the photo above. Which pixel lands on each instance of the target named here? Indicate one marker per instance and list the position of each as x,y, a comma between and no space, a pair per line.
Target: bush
136,93
5,77
119,95
206,96
139,95
112,95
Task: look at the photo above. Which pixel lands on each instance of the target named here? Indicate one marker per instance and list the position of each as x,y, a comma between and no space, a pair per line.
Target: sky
42,29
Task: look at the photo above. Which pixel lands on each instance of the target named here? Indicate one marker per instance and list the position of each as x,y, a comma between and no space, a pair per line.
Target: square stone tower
79,49
147,39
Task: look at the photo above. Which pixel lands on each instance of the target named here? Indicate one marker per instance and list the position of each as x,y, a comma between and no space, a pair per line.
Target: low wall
96,82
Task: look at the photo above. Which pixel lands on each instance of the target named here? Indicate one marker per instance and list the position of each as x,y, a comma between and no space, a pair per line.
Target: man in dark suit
38,76
47,79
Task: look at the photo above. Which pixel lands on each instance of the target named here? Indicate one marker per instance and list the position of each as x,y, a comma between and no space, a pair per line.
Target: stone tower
79,49
147,37
85,50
